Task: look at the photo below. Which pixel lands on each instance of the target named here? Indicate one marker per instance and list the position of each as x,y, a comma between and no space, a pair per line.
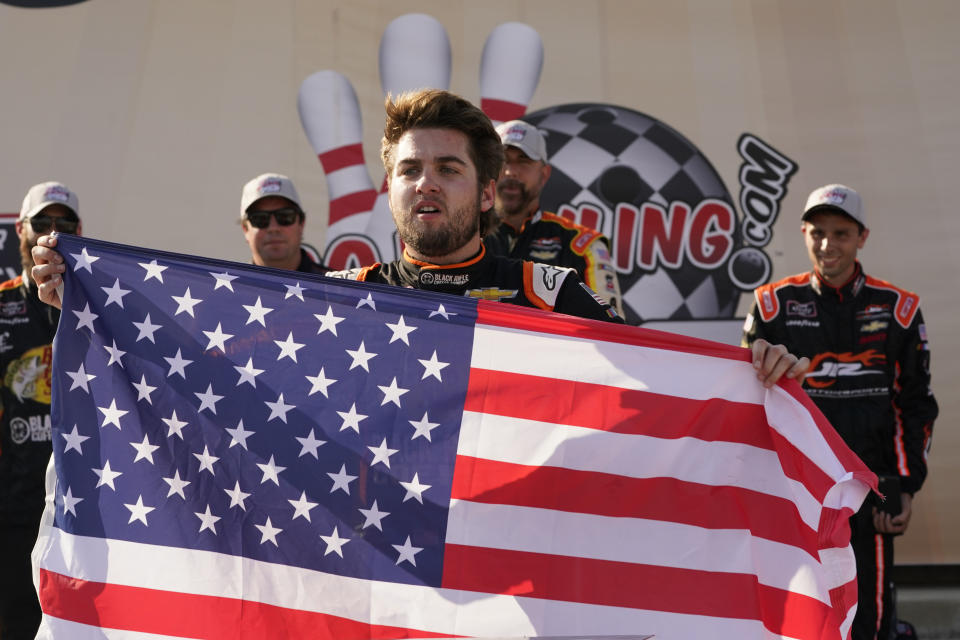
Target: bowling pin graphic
414,54
510,70
330,116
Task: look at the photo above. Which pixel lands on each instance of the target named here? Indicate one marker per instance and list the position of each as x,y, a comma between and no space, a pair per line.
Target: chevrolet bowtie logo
876,325
491,293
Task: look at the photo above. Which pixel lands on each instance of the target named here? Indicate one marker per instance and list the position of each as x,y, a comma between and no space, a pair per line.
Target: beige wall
157,111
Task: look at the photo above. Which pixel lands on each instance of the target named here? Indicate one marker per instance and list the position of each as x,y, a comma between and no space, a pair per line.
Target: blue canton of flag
256,413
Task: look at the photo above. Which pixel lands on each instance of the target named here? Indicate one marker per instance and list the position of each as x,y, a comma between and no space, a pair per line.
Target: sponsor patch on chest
32,428
547,245
873,326
828,367
491,293
873,311
544,255
435,278
801,309
803,322
13,308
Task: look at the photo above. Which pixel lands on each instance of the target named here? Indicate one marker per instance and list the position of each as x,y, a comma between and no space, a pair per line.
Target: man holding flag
871,376
239,454
27,328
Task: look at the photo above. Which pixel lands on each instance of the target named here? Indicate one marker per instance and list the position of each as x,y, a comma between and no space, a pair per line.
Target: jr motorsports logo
826,367
679,246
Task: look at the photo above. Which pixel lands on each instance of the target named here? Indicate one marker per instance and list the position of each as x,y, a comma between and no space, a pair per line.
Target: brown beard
443,242
524,198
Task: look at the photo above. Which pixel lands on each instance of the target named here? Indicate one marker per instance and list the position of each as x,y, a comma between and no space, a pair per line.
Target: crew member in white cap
26,333
272,221
869,375
528,233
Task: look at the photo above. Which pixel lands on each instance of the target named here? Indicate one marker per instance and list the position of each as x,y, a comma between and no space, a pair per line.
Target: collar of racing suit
447,278
847,291
512,230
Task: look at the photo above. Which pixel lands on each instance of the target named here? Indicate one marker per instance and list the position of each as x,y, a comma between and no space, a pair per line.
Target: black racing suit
26,333
552,239
870,376
497,278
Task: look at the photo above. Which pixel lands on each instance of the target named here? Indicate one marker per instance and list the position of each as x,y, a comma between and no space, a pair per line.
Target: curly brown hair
438,109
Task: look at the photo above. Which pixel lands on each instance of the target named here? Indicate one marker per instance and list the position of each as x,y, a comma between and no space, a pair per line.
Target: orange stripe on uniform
362,276
901,452
585,235
907,302
878,559
459,265
590,270
767,302
12,284
528,288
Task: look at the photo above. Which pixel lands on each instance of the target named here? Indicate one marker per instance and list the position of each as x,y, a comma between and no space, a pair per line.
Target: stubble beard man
438,241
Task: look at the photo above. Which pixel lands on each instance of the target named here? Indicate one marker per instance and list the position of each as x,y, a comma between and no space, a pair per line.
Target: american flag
250,453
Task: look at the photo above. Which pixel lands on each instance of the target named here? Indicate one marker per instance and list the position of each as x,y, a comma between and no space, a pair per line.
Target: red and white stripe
609,481
737,497
330,116
167,592
510,70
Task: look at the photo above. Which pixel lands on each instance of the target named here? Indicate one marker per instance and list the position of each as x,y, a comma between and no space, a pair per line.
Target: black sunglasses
42,223
285,217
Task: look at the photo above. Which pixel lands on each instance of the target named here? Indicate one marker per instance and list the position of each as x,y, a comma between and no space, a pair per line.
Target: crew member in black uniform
869,375
272,221
27,327
529,233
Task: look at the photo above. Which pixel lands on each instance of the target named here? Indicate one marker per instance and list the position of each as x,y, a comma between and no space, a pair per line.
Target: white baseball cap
523,136
838,198
44,194
265,185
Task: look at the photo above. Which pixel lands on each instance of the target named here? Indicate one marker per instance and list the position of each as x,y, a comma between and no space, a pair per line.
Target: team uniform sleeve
914,406
600,274
754,327
577,299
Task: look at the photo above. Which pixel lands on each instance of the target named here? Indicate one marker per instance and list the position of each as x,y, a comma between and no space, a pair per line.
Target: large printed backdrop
156,112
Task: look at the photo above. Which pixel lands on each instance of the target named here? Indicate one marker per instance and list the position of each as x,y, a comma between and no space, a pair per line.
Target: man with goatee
442,157
527,232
